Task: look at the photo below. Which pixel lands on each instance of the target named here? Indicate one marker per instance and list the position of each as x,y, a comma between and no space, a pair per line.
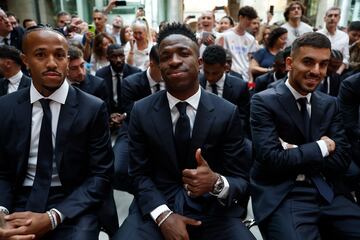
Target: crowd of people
194,120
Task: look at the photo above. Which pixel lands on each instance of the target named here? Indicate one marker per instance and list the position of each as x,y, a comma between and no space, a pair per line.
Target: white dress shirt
191,109
321,143
152,82
114,84
58,98
2,42
14,82
219,85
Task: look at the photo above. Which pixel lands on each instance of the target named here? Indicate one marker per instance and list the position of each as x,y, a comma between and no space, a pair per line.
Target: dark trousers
84,226
304,214
122,180
136,227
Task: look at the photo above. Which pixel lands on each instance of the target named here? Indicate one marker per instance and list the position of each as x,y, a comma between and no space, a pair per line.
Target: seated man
10,68
190,176
301,153
56,160
216,80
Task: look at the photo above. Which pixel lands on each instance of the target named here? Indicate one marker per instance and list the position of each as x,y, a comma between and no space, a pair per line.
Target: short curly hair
176,28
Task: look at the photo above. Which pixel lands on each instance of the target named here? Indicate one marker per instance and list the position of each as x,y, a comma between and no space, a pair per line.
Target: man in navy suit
301,153
10,68
224,85
134,88
114,75
55,151
79,78
186,154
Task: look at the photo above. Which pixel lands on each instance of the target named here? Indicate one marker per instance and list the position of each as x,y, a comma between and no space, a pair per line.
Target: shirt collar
220,83
7,36
295,93
193,101
152,82
16,78
59,95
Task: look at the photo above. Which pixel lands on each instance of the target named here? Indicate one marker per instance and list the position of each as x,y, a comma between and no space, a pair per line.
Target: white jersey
240,47
294,33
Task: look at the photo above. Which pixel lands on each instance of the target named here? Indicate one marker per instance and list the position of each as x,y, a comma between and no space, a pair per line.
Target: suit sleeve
127,96
268,148
140,167
244,109
236,164
97,185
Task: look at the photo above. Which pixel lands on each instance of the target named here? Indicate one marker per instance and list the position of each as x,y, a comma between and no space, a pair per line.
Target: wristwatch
218,186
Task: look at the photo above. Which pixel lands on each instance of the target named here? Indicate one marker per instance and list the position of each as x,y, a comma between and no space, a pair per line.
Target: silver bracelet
164,219
54,215
52,220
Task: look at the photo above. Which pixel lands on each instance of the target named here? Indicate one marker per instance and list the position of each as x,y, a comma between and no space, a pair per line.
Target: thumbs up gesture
200,180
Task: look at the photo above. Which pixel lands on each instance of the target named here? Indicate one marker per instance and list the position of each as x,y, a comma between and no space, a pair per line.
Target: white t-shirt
141,57
339,41
240,46
294,33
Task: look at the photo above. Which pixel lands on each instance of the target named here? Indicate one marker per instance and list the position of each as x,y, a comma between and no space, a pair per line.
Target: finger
16,215
20,222
189,173
190,221
199,159
23,237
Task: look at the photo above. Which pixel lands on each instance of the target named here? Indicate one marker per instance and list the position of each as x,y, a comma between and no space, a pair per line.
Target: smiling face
307,67
45,54
179,65
207,21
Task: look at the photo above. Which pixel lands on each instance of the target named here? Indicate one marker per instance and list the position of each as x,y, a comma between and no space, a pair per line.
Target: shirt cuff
4,210
62,217
323,148
158,211
225,192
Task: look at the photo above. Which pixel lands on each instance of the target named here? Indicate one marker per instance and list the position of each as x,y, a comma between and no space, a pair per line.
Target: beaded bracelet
166,217
52,220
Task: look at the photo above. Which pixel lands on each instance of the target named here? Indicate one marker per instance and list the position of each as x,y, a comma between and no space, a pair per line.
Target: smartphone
120,3
271,9
191,16
219,8
91,28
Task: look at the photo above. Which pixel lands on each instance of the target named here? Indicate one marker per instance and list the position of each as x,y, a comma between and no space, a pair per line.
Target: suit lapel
23,118
24,82
146,85
317,112
202,125
288,102
161,118
228,88
68,113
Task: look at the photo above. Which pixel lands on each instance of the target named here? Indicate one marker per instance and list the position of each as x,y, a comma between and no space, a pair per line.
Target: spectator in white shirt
339,39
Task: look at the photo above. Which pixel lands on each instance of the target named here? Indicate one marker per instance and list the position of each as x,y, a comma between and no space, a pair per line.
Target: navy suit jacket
16,37
82,153
349,99
335,82
106,74
134,88
24,82
236,92
95,86
262,81
274,115
157,172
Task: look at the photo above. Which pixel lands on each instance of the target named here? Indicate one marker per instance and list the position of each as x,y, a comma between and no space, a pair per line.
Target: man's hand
330,144
116,120
39,222
15,230
200,180
89,36
174,227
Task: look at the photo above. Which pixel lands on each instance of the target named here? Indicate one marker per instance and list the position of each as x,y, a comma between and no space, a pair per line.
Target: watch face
219,185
